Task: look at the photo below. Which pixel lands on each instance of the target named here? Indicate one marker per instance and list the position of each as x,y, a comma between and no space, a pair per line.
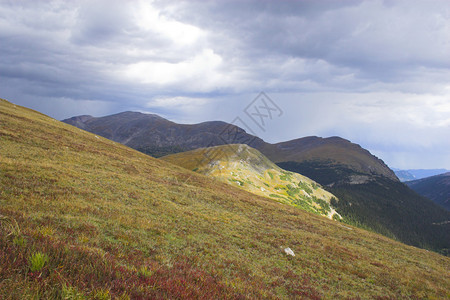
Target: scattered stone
289,251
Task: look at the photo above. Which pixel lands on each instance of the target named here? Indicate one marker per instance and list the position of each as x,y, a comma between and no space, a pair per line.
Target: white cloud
180,103
149,19
201,68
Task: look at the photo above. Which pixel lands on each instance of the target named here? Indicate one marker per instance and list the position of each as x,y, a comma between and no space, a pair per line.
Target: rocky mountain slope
404,175
436,188
245,167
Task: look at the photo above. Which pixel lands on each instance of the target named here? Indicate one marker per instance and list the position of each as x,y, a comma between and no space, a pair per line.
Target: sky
374,72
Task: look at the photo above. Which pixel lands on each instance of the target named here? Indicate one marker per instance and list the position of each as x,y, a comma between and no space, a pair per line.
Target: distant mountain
370,194
436,188
342,161
246,168
157,136
413,174
404,175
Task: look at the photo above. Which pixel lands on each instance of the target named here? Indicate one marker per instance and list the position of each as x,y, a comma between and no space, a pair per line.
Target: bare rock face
359,179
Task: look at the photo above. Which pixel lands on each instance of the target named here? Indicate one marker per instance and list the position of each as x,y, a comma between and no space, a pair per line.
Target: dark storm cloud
277,45
377,40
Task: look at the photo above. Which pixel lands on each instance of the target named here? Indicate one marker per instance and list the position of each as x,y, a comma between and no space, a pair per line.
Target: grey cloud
100,21
383,41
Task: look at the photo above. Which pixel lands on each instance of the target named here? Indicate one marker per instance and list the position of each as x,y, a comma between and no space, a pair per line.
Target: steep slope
247,168
84,216
370,194
436,188
157,136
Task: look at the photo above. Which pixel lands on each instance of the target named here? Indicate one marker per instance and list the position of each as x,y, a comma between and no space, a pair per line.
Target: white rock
289,251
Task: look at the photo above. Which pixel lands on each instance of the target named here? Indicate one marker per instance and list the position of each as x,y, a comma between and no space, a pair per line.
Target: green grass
286,176
116,223
37,261
246,168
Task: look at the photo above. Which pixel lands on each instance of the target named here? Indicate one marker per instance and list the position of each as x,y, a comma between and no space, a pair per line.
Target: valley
435,188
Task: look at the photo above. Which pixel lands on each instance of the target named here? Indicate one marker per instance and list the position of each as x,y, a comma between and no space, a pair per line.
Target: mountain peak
330,151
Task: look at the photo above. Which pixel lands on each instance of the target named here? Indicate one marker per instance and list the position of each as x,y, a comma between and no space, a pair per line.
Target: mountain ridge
414,174
335,149
152,135
156,136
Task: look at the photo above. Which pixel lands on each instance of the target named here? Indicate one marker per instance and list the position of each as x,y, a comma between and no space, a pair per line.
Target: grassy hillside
82,216
245,167
384,206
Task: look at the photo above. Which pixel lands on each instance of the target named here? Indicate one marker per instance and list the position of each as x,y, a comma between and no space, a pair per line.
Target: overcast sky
374,72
